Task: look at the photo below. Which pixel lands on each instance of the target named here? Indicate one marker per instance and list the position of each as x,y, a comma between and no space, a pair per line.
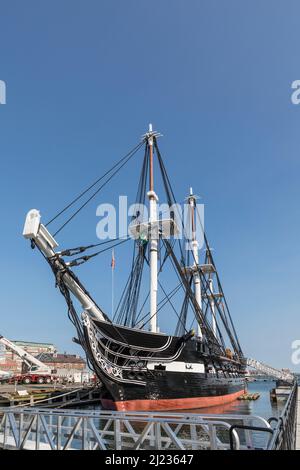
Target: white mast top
150,134
153,235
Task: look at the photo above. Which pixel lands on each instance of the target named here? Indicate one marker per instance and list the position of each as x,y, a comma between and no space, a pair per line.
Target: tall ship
170,343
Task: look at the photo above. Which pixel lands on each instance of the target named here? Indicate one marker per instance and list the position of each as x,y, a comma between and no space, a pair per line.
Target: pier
49,395
57,429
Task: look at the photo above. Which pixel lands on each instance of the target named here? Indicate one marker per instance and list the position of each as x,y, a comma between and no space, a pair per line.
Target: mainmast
194,245
212,306
153,235
212,294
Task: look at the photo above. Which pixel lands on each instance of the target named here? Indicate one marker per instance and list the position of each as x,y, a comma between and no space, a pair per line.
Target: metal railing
284,432
39,429
54,429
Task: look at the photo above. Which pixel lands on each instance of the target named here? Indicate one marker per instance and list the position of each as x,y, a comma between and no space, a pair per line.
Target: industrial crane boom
32,362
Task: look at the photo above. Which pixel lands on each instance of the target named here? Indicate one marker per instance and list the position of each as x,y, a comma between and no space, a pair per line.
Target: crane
36,367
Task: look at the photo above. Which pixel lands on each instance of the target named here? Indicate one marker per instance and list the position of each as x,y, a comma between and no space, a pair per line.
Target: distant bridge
270,371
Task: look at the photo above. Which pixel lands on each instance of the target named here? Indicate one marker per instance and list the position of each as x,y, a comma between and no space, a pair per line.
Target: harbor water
263,406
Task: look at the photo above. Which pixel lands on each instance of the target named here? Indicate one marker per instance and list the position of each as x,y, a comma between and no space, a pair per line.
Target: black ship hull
173,391
150,371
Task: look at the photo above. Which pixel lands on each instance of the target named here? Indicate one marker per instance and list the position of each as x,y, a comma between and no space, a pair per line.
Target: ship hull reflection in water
263,407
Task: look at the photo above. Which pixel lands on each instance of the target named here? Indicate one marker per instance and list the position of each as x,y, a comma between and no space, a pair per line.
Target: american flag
113,261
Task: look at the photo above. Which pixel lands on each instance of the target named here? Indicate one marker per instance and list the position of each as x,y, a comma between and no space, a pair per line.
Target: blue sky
84,78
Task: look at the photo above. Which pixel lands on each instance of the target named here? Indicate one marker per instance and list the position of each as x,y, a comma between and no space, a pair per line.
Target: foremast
153,234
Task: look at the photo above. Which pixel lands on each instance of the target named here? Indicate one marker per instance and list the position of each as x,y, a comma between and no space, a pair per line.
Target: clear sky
84,78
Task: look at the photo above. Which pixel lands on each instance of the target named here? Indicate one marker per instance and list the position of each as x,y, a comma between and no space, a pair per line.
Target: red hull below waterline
170,404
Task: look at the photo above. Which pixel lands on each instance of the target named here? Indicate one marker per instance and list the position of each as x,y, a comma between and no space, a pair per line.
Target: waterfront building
10,361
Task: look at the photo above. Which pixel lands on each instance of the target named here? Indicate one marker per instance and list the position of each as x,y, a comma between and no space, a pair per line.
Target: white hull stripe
178,366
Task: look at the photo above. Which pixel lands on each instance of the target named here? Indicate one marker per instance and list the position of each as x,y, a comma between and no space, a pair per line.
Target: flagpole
112,281
112,292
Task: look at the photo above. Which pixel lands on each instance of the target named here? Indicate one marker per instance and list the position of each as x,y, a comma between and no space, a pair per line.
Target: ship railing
39,429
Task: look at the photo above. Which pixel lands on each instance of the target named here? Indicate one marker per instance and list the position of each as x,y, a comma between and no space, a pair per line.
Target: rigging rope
173,308
197,309
234,337
82,259
181,324
136,148
81,249
127,306
99,189
161,304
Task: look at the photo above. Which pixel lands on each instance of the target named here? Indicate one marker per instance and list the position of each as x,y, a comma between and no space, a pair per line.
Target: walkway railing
54,429
104,430
284,433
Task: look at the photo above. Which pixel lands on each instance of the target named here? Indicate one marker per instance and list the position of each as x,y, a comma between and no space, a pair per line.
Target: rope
161,304
137,147
98,190
82,259
81,249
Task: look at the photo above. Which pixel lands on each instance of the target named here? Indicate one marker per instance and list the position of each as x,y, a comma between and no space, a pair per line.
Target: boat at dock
281,391
197,365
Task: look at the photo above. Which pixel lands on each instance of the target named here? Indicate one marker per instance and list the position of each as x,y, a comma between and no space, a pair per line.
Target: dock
49,395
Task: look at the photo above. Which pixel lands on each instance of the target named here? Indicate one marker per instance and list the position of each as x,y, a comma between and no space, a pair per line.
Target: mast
212,306
194,244
211,294
153,235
